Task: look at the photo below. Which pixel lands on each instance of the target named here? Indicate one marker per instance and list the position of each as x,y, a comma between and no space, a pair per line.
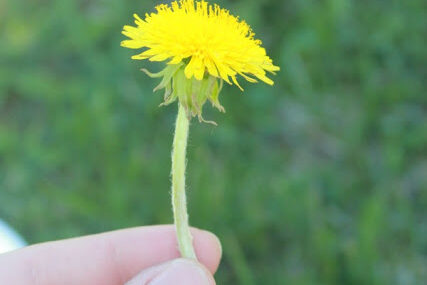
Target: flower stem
179,203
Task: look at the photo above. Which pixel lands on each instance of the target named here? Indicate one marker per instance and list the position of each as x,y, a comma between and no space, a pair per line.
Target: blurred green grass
318,180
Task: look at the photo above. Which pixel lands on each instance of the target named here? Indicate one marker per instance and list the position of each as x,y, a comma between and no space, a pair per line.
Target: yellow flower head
202,41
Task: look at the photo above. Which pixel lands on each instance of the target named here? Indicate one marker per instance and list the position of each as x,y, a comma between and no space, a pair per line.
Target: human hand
138,256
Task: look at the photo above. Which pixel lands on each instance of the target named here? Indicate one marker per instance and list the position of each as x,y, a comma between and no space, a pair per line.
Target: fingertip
178,271
208,248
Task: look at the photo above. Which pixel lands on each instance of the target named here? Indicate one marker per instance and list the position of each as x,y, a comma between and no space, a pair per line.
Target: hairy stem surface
179,201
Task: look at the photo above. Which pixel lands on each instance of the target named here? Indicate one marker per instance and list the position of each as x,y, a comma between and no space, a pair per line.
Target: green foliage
320,179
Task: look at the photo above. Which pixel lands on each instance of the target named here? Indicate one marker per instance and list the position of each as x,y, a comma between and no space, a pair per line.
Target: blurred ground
320,179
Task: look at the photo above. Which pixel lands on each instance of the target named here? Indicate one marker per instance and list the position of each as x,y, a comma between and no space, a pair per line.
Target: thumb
178,272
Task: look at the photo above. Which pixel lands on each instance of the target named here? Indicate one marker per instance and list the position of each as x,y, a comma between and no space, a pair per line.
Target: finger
178,272
108,258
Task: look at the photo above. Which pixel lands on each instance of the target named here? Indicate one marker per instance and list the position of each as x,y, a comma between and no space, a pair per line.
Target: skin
111,258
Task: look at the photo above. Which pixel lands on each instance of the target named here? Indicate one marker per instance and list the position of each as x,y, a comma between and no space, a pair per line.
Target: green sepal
216,89
191,93
168,73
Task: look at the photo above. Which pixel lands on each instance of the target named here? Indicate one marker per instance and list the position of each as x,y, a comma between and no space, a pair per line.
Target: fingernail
178,272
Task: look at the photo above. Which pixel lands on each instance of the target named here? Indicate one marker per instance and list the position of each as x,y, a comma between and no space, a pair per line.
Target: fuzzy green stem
179,203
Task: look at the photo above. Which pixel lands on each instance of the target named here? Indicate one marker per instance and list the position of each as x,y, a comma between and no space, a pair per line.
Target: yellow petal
214,40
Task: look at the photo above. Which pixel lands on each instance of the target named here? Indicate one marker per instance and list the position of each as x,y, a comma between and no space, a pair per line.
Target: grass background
320,179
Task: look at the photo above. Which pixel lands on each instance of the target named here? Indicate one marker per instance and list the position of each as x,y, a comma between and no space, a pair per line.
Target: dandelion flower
203,45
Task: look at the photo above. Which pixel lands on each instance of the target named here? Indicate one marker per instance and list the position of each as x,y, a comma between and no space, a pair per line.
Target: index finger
109,258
